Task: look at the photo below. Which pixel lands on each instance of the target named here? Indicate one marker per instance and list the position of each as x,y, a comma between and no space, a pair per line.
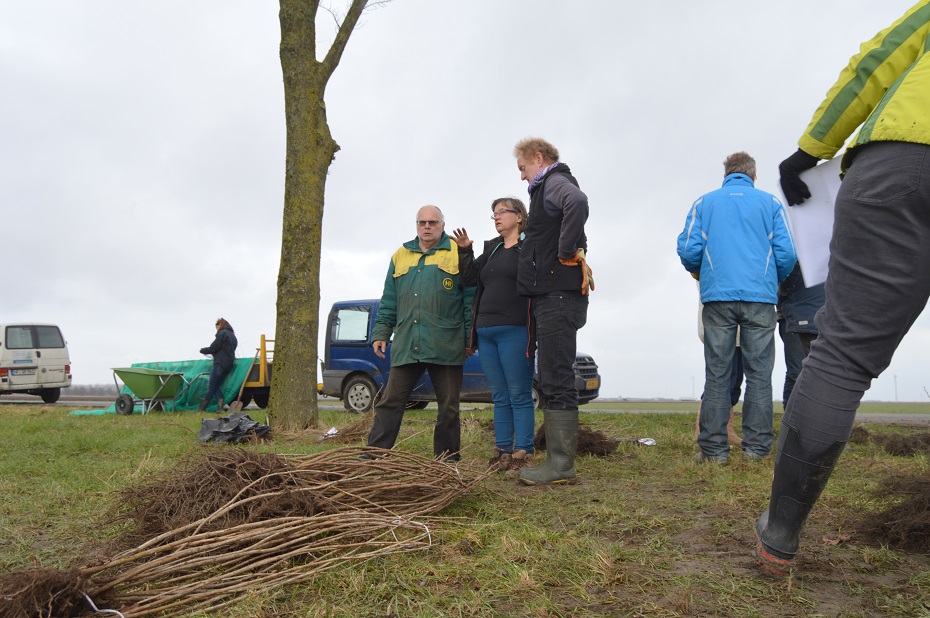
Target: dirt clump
905,523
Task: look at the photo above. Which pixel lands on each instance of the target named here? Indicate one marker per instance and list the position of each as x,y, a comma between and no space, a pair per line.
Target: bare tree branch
334,55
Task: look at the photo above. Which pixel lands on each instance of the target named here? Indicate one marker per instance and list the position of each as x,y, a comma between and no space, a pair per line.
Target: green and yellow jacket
886,86
425,305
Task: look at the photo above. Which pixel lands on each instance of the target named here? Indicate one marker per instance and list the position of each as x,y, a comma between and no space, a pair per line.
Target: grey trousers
879,283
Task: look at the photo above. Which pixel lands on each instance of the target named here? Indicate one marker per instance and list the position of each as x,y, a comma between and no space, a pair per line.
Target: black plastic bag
232,428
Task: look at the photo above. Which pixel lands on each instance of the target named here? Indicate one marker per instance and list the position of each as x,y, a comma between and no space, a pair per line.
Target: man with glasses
553,274
427,308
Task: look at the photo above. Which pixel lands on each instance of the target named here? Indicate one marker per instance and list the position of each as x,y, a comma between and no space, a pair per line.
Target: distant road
326,403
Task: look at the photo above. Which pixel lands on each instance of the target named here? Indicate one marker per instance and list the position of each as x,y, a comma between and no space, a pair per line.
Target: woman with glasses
500,321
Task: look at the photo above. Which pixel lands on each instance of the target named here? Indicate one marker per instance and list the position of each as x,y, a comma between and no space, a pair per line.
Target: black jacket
223,348
555,229
470,269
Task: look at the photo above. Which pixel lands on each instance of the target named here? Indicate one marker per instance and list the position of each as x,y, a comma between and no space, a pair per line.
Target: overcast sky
143,152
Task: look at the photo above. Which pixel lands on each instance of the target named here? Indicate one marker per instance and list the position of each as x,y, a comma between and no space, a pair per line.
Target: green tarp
197,372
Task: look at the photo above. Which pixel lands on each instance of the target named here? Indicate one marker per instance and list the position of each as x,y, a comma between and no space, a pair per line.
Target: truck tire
124,404
359,394
246,398
50,395
535,396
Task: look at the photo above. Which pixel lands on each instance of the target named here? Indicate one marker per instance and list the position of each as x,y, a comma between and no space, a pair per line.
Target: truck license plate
23,372
591,384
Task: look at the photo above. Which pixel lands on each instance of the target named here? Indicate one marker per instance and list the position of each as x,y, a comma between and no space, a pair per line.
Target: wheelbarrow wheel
125,404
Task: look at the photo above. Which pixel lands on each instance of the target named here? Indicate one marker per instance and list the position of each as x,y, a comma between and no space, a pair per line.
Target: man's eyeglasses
430,222
498,215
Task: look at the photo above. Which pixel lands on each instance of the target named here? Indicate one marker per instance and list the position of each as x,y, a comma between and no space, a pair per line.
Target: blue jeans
217,375
558,317
756,323
736,379
503,356
794,355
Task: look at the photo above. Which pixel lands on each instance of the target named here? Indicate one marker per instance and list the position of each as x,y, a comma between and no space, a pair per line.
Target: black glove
204,351
791,184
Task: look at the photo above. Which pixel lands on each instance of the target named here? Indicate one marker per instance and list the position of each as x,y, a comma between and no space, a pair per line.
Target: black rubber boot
561,427
203,405
800,477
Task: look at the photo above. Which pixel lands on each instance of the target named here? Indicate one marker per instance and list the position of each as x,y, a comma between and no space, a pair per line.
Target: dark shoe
720,460
561,428
750,456
220,406
500,461
520,459
366,457
799,479
203,406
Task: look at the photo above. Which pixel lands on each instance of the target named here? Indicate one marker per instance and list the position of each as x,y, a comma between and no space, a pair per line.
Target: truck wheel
536,398
359,394
261,397
124,404
50,395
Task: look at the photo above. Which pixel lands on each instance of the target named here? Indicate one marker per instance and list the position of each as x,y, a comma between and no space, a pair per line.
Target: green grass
645,532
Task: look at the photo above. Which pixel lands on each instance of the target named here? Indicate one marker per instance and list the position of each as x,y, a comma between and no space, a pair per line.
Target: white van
34,360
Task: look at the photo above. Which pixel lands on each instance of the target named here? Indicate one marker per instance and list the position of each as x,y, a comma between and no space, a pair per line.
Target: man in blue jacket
737,243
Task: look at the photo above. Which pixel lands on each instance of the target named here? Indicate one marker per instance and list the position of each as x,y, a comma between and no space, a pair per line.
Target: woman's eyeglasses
498,215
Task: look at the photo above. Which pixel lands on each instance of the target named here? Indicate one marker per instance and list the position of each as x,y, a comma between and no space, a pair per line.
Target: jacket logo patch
447,283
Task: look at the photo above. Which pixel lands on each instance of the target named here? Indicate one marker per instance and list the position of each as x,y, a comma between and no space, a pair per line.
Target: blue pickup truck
352,372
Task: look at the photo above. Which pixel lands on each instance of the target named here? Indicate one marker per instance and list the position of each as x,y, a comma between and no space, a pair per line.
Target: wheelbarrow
150,387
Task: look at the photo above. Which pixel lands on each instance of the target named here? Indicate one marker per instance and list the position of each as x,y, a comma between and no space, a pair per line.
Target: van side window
19,338
49,337
351,324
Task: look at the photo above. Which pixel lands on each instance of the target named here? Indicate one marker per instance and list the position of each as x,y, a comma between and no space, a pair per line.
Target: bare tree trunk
310,150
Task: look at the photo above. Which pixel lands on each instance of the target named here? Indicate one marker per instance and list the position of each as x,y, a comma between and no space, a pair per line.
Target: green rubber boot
561,427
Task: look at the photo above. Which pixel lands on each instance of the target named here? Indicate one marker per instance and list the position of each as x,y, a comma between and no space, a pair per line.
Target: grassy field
646,532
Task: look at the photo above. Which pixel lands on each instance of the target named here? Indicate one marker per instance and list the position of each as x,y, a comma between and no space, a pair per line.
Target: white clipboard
812,221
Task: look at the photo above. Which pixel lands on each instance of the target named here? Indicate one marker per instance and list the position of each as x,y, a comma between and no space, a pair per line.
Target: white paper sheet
812,221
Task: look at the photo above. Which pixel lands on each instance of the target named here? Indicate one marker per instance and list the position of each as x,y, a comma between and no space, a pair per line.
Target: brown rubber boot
500,461
518,461
732,437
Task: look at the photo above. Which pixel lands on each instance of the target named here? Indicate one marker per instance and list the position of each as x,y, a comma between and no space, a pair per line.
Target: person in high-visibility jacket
879,275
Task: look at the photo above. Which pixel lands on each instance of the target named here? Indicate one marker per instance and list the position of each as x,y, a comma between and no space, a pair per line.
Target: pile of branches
354,432
232,521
